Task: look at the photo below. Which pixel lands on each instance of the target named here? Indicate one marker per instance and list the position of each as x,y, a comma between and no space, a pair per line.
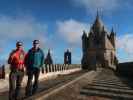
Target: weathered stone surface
108,84
103,84
71,90
98,47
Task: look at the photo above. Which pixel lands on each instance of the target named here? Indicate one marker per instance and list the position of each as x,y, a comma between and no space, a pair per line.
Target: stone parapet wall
125,69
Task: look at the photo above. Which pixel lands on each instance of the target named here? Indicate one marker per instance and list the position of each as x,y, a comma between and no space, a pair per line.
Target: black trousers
15,80
32,88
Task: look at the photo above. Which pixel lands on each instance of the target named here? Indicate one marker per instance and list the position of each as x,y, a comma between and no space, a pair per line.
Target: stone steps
109,85
112,86
112,95
108,89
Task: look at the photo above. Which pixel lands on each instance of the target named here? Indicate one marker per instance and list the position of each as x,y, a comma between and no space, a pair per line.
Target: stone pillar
55,67
58,67
46,68
67,57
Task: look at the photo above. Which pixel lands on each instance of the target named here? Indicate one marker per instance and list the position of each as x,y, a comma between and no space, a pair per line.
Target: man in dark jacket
34,62
16,61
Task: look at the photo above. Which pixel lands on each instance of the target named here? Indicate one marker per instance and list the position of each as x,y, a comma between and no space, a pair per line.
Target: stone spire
48,59
112,32
84,35
103,31
84,41
97,26
97,16
112,37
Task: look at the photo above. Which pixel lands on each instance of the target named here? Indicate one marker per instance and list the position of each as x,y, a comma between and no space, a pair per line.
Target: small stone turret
48,59
113,37
84,41
67,57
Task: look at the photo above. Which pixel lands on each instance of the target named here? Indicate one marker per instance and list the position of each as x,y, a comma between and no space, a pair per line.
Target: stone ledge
4,83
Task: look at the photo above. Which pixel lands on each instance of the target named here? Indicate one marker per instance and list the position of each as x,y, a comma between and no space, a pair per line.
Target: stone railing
49,68
60,67
2,72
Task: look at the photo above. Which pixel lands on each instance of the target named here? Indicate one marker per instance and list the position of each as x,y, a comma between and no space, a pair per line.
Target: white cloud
93,5
21,28
71,30
125,47
125,42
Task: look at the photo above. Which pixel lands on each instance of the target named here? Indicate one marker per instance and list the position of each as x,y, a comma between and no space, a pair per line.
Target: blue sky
58,24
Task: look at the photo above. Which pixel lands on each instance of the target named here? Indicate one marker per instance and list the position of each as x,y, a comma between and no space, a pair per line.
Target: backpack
16,58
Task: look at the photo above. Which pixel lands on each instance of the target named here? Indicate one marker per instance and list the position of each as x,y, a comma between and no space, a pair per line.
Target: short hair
19,43
36,42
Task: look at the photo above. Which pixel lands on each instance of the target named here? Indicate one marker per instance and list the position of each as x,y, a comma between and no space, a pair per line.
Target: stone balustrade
47,68
60,67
